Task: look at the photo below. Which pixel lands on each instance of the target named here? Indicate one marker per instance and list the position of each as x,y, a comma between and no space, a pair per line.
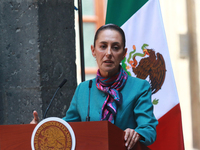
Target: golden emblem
52,135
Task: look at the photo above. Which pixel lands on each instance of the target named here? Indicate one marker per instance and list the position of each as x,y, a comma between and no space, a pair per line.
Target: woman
123,100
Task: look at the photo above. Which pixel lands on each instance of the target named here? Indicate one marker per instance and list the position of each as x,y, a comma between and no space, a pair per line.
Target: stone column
37,51
194,73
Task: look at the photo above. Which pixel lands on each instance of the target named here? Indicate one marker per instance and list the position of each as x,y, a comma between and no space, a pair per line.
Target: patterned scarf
111,86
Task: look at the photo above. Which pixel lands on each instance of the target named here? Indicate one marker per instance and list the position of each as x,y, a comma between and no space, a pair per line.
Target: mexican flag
148,58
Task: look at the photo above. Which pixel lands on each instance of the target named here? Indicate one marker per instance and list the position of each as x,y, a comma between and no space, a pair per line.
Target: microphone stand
88,114
59,87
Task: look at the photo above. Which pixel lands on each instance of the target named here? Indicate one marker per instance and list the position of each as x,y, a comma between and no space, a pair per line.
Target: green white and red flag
148,58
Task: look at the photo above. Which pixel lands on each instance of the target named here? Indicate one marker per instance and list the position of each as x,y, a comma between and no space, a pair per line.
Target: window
93,17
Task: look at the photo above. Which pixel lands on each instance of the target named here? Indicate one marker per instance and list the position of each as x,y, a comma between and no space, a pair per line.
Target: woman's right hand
35,119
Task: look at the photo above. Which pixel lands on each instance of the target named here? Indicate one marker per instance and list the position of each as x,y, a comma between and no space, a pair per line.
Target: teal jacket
136,111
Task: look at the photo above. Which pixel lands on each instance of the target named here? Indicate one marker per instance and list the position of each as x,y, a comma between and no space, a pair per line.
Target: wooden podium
98,135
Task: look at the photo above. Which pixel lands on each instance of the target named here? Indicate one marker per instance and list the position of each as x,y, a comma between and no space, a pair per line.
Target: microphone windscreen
90,84
63,82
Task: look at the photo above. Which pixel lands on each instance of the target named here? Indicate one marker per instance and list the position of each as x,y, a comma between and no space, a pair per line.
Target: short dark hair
112,27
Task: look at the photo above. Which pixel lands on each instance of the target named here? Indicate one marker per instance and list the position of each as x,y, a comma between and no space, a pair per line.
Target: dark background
37,51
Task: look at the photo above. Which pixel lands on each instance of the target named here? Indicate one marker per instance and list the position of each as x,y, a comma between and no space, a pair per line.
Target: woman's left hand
131,137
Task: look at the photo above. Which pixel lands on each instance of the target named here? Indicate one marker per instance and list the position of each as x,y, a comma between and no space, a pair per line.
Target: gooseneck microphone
59,87
88,114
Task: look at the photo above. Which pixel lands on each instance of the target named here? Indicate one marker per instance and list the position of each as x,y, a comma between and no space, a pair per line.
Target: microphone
62,83
59,87
88,116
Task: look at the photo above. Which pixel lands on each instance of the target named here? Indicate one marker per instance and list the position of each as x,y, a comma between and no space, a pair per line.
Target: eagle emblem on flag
151,66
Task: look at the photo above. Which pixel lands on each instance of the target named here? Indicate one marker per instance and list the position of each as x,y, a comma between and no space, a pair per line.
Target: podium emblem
53,133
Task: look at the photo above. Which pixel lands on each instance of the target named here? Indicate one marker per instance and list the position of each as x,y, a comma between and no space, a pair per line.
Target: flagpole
81,40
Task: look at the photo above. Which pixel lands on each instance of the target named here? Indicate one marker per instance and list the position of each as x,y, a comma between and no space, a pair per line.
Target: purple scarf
111,86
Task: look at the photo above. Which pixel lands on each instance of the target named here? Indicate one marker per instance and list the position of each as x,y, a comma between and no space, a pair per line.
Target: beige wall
175,21
198,29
